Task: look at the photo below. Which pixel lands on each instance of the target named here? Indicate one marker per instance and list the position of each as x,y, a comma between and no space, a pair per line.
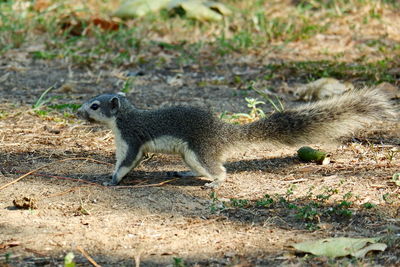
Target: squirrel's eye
94,106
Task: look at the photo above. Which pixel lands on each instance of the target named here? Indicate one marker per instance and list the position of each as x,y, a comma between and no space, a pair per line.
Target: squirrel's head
103,108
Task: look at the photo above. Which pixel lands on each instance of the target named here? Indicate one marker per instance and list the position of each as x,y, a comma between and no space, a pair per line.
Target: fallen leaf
139,8
196,9
362,252
341,246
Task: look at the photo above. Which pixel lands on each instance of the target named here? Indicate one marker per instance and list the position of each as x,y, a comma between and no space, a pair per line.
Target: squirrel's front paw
109,183
113,182
212,185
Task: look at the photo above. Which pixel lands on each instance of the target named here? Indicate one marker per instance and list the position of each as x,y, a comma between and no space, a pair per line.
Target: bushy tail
321,121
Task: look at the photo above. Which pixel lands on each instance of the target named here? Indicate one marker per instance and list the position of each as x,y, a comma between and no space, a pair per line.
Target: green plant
388,198
3,114
73,107
309,212
255,111
128,85
368,205
276,104
216,204
178,262
290,191
266,201
42,100
390,155
69,260
240,203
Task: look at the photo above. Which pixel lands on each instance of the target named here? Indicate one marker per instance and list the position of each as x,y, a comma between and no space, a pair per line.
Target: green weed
3,114
216,204
368,205
69,260
73,107
239,203
178,262
128,85
266,202
43,99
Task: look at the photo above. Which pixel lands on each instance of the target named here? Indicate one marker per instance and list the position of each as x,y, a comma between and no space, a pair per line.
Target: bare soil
152,218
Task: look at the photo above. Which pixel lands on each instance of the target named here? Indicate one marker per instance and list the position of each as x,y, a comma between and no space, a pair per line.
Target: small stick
144,185
90,259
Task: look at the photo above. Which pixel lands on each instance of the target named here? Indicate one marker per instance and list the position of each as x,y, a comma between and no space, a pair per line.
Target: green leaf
69,260
341,246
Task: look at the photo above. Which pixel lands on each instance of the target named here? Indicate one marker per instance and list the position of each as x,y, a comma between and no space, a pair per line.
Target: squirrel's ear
114,102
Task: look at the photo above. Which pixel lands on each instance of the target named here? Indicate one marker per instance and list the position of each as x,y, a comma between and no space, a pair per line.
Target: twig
296,181
45,166
145,185
90,259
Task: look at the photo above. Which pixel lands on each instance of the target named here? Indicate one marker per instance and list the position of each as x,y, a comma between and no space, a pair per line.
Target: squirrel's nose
80,112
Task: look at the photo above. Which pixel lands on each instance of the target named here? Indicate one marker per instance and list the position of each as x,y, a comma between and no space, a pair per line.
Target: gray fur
204,141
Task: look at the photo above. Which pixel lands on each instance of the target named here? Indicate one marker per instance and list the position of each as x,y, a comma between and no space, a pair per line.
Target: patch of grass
369,73
73,107
256,27
240,203
310,210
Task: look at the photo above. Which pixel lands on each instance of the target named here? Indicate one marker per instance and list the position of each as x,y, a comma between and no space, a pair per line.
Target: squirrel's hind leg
208,167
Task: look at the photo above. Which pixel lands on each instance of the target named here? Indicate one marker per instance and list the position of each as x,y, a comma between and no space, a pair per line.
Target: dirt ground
159,221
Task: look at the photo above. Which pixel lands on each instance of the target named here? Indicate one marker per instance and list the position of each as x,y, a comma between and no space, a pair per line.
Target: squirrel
204,141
